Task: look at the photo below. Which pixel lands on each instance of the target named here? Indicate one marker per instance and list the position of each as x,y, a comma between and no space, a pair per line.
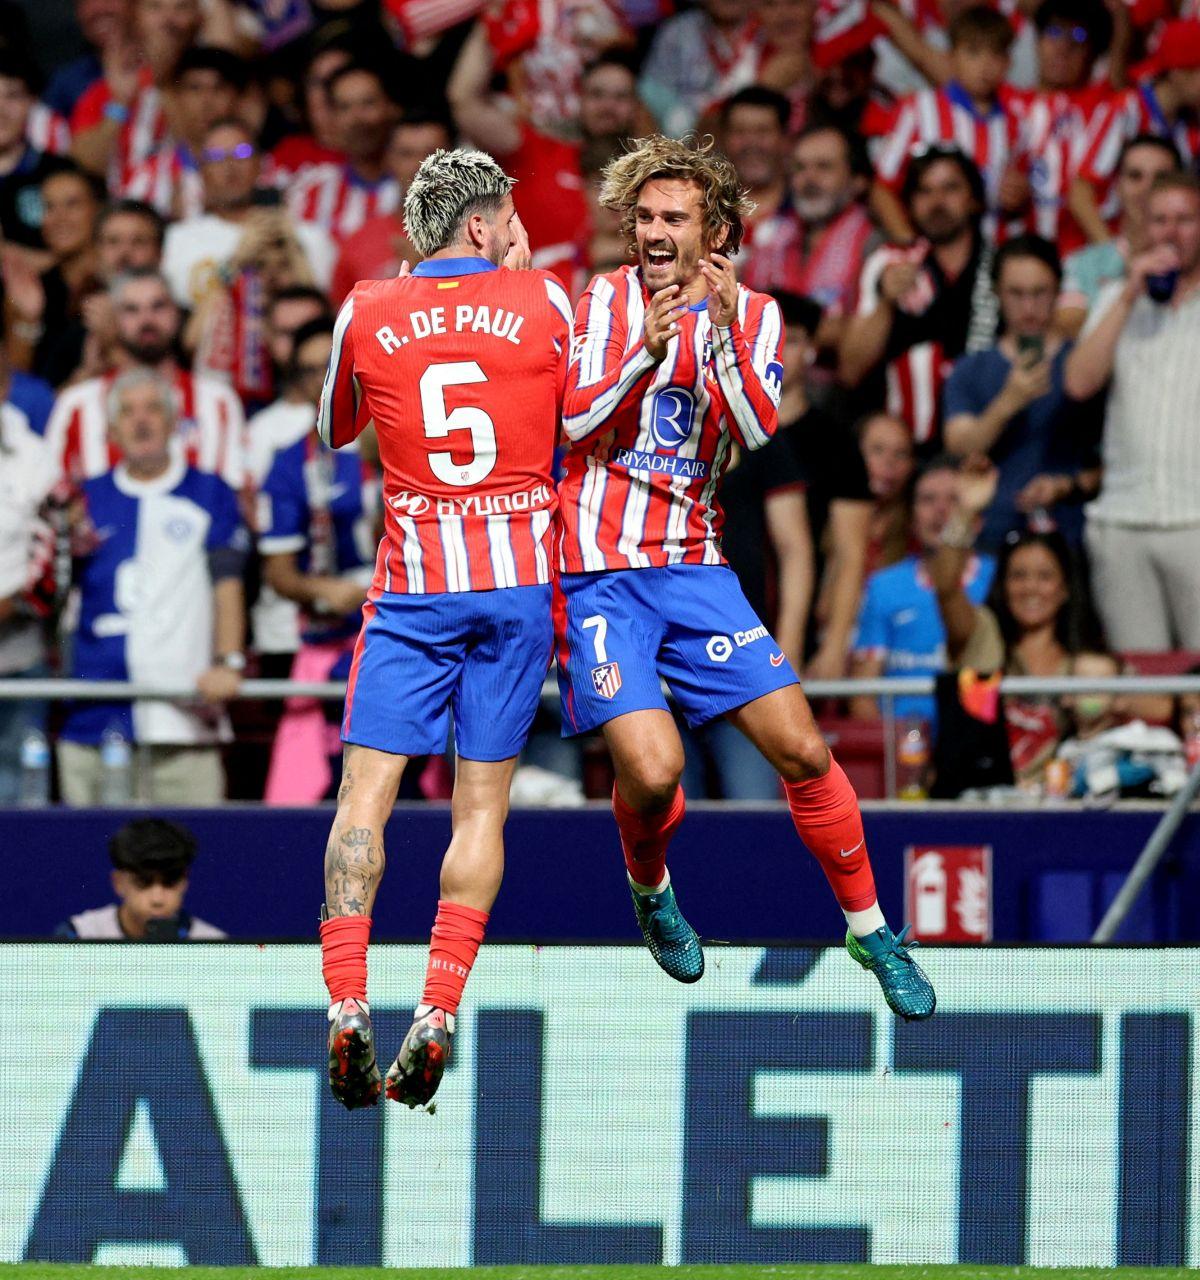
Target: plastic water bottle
116,767
1191,737
912,759
35,769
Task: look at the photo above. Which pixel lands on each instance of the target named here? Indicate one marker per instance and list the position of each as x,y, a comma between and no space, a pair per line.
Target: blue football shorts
689,624
481,656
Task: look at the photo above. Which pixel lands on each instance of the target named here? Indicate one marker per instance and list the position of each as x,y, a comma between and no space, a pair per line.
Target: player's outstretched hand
718,272
519,256
405,269
663,315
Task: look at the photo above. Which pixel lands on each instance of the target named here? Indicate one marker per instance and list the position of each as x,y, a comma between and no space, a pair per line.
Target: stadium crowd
982,223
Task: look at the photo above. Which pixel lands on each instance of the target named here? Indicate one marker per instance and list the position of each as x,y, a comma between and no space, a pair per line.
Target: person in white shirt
151,859
1141,340
161,556
25,478
201,253
275,621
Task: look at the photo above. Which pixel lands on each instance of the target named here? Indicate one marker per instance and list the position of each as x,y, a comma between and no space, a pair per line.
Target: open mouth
659,257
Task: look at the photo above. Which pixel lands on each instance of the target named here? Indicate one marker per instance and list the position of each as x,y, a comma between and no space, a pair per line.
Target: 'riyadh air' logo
671,417
409,504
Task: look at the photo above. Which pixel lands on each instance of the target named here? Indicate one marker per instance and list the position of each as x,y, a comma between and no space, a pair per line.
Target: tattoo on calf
353,867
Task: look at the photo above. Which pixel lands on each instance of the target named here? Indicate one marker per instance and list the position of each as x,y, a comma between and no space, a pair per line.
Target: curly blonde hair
724,202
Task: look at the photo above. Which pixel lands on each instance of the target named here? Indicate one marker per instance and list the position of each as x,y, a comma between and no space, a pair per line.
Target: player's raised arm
338,418
603,376
746,352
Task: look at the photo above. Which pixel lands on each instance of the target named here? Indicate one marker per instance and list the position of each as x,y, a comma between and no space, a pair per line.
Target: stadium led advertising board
168,1104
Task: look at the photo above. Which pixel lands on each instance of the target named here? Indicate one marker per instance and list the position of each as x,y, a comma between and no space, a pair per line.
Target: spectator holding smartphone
1009,402
1142,340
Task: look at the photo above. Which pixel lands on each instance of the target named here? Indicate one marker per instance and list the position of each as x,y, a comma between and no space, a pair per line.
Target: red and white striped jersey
47,131
168,180
211,428
140,136
1056,132
461,367
650,440
947,116
1129,113
934,323
336,198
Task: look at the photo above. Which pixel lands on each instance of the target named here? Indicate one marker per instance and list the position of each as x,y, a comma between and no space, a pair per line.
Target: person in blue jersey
161,601
317,532
900,631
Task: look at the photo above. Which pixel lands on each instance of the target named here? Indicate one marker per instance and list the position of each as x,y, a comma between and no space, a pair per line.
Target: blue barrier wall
740,873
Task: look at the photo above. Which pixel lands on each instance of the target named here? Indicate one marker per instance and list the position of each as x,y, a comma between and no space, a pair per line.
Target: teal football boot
670,939
905,987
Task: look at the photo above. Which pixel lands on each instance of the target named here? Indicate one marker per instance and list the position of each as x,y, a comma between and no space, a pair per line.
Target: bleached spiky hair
723,201
449,187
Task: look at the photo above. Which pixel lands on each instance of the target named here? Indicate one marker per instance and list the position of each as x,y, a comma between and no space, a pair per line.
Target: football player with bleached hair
460,363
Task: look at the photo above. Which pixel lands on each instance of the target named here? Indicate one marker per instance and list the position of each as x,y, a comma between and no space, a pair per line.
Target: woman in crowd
47,330
887,450
1037,622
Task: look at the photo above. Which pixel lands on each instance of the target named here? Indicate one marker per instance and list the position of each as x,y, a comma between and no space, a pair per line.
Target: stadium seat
858,745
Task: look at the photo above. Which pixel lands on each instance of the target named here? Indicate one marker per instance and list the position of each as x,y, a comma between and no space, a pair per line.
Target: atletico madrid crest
606,678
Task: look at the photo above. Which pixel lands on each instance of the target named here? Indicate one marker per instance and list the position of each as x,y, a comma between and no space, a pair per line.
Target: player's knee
652,784
803,757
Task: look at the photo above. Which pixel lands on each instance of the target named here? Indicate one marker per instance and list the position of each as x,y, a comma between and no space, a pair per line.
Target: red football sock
344,956
645,836
453,946
825,811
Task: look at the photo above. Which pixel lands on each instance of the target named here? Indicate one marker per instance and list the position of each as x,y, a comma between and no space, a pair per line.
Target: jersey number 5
439,423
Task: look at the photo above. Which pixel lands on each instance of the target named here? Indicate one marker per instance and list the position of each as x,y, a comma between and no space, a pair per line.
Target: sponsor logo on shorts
720,648
606,679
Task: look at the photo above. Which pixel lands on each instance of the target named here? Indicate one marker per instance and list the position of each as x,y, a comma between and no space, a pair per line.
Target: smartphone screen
1030,347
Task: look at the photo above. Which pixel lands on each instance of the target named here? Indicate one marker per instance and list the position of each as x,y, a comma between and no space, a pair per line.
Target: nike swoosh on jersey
777,659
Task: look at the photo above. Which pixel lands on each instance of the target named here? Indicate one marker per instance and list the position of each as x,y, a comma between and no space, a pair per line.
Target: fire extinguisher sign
948,892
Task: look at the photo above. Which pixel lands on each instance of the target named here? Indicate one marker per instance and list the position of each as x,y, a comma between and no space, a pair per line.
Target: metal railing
887,690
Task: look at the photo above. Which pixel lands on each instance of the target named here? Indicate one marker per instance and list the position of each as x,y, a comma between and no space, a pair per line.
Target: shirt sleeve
282,509
962,392
778,467
873,636
602,377
339,419
1103,304
747,355
227,542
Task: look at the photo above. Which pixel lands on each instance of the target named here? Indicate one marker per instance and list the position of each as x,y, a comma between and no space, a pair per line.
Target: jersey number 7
439,424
